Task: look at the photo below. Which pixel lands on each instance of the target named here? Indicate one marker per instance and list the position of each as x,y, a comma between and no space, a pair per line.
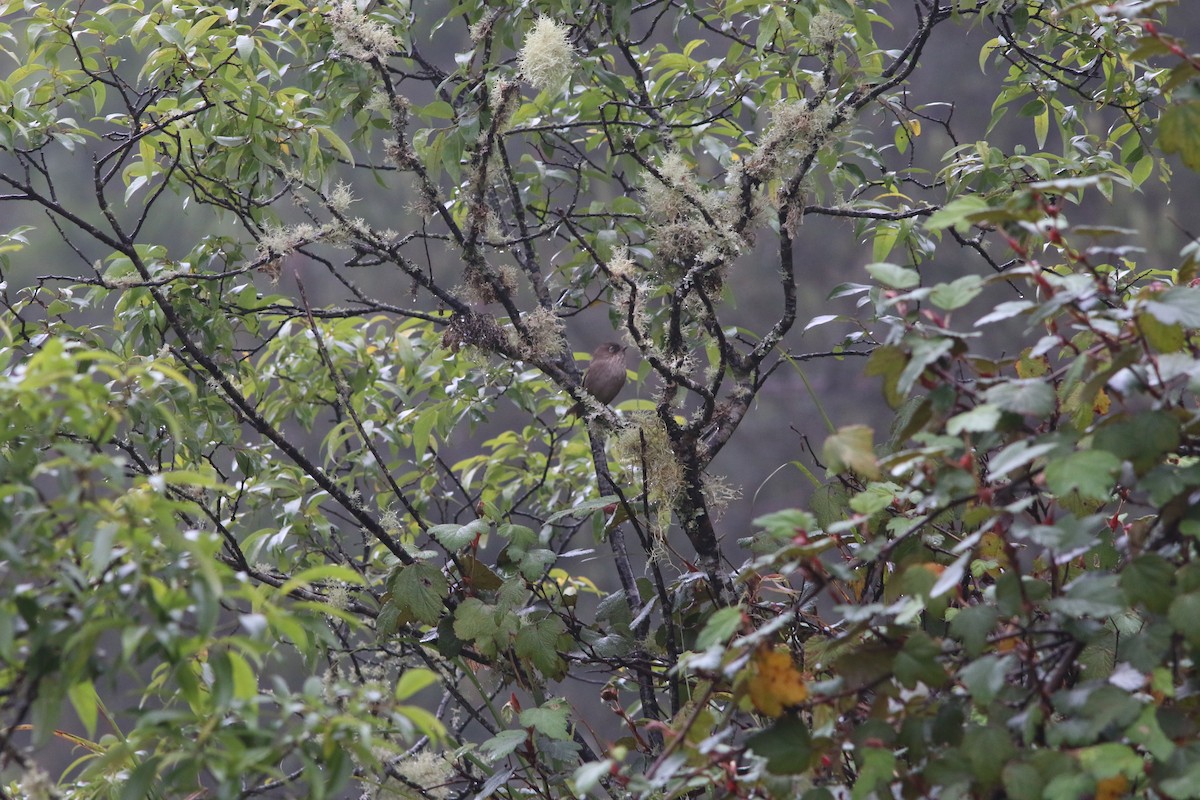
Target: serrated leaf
1089,472
502,744
550,719
983,417
774,683
539,642
420,589
455,537
475,620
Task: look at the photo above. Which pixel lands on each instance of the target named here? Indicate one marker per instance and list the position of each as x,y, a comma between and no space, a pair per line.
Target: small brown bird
605,375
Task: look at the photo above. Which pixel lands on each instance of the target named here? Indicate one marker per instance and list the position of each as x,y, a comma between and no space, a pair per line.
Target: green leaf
455,537
786,745
720,627
414,680
985,677
86,704
549,719
1093,595
924,353
583,509
1089,472
894,275
336,142
918,661
1163,338
1022,781
1144,438
973,625
875,498
1017,455
475,620
590,775
1184,616
1179,305
783,525
1026,397
1110,759
956,294
1148,580
983,417
885,238
877,768
988,749
420,589
1041,126
1067,538
422,427
1147,732
534,563
852,448
1179,132
959,212
540,643
502,744
170,35
888,362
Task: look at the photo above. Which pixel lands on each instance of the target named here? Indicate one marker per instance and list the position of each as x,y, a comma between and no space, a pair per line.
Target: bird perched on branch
605,375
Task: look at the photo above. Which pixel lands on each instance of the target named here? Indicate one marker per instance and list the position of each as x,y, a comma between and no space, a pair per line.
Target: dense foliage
264,537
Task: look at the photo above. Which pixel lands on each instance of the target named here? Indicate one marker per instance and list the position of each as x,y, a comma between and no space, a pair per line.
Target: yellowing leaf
1032,367
775,683
1112,788
852,448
